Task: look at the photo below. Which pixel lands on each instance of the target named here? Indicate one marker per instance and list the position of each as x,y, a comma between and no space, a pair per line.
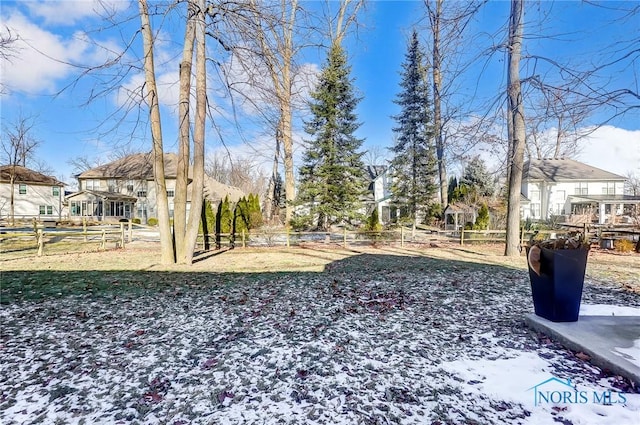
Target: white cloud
612,149
69,12
42,58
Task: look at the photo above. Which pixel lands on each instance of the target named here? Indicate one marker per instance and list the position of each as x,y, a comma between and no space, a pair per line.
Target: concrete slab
612,341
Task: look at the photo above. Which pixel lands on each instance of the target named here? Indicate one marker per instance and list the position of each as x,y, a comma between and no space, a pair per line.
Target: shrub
623,245
482,220
301,222
373,222
152,221
135,220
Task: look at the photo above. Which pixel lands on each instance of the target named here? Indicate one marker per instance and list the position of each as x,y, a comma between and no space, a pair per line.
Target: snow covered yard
374,339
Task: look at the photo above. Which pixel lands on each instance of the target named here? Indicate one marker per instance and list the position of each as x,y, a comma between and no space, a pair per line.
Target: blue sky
69,126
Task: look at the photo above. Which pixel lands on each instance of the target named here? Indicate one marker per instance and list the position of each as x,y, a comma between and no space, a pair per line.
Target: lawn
373,336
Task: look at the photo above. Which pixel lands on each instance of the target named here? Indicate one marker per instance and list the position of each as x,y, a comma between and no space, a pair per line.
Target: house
125,188
35,195
379,194
567,187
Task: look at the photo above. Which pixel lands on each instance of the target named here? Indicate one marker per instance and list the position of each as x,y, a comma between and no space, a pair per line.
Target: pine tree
477,178
224,219
241,216
413,165
332,178
482,220
255,213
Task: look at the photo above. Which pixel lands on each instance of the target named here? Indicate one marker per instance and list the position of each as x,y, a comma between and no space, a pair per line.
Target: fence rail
41,238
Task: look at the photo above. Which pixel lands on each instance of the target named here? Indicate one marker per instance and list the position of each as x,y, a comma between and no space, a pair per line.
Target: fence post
402,236
288,237
84,228
122,234
103,241
344,237
521,236
130,231
40,242
243,244
461,236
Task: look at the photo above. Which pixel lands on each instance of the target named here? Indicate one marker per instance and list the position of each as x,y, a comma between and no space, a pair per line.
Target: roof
138,166
26,175
460,208
105,195
606,198
557,170
373,171
216,191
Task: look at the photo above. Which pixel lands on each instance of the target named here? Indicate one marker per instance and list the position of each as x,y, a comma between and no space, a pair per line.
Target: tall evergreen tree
332,177
477,177
414,163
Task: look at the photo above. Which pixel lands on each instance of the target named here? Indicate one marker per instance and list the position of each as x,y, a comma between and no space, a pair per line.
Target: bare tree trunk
517,134
197,185
270,201
437,108
182,176
166,241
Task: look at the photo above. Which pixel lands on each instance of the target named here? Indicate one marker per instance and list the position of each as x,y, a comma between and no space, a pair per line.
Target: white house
565,187
35,195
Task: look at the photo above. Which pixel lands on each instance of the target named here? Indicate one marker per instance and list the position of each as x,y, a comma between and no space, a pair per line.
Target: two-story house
125,188
565,187
35,195
122,189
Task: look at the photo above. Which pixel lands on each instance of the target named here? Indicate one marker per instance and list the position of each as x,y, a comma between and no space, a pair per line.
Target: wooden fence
40,237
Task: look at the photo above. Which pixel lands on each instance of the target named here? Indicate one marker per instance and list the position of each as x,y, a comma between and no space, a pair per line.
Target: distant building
125,188
35,195
556,187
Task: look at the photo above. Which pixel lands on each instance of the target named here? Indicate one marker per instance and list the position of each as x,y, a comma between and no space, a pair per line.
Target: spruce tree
477,177
413,165
332,177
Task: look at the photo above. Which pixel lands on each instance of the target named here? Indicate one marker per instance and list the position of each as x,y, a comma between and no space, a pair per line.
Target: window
171,193
535,195
582,188
42,209
55,191
561,194
559,209
49,210
92,184
609,188
22,189
130,186
142,194
112,185
535,210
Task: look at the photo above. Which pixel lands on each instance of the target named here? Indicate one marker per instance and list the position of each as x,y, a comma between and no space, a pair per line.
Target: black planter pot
558,290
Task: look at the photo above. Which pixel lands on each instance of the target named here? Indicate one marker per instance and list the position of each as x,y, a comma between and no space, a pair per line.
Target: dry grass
604,266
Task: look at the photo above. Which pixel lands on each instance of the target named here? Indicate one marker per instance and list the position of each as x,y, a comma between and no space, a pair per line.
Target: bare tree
516,128
18,148
152,100
8,48
447,23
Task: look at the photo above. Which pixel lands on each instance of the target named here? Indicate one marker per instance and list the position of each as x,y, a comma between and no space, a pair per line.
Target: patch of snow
608,310
631,353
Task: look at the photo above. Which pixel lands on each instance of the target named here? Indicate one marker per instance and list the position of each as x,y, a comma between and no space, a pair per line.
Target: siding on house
552,184
35,195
